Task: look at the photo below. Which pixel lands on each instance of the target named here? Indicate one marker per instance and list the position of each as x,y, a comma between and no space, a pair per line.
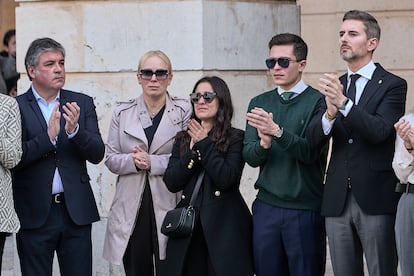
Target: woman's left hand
141,158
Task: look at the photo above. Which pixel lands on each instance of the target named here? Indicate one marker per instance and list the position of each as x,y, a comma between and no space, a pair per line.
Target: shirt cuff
70,136
327,124
348,107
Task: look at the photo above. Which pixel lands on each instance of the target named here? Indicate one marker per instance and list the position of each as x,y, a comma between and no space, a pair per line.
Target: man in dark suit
53,197
359,201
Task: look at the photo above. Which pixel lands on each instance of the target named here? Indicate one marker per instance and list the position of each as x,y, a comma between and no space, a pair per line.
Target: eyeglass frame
207,96
283,62
160,74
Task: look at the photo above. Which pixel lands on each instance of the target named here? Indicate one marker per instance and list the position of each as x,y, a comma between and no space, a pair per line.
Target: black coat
363,147
223,213
33,177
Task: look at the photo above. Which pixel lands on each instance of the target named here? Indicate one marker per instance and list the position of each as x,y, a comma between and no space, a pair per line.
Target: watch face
279,133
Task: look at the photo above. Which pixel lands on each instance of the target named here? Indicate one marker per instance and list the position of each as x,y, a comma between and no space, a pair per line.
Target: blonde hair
157,53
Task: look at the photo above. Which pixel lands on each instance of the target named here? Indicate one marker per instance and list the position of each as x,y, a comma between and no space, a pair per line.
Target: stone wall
7,18
104,40
320,28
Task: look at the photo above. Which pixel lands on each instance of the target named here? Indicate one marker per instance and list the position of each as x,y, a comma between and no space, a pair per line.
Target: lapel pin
380,81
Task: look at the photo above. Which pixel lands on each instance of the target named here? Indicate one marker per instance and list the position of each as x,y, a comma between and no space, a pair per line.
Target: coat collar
171,118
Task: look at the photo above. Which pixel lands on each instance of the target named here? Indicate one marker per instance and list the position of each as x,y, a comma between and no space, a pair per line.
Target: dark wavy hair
222,127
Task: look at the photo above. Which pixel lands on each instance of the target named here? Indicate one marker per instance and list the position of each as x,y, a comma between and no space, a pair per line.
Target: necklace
154,113
154,107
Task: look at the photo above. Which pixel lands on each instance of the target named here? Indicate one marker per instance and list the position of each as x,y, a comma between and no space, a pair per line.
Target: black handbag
179,222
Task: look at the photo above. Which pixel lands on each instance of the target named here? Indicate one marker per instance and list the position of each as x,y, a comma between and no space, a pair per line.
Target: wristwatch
344,103
278,133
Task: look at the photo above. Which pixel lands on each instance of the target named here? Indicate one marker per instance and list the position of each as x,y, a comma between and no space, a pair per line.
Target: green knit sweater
291,172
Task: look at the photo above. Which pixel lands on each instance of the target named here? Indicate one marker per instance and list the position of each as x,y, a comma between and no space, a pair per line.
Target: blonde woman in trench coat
140,140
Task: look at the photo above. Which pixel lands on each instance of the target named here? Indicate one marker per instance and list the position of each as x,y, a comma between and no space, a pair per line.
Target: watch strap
344,103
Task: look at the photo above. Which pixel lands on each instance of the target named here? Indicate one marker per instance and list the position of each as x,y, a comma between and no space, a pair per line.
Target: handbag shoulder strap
196,188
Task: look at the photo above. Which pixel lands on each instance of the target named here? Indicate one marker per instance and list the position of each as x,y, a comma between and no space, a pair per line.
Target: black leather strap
196,188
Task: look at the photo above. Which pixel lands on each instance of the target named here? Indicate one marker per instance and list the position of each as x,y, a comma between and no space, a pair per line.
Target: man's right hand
331,87
53,127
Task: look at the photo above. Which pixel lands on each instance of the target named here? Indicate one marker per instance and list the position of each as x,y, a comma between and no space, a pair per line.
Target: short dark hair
7,36
372,28
300,49
39,46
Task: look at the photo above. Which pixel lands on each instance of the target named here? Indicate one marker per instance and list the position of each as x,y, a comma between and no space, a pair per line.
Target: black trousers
72,244
141,257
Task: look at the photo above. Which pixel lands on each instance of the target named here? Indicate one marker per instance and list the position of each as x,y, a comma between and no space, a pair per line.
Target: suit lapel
373,87
34,106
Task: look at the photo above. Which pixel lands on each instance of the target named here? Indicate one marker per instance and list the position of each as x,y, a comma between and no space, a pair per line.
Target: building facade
104,40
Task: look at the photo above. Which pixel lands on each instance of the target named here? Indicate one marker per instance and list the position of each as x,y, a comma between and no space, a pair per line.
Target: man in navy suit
362,106
53,197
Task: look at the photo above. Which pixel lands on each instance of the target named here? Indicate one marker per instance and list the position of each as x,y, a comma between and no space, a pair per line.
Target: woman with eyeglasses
140,140
221,240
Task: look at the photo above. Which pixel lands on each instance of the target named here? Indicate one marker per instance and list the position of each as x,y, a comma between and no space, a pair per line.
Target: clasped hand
141,158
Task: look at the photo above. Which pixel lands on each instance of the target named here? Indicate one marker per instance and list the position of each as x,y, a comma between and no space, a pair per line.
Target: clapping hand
406,132
196,131
71,115
263,122
53,127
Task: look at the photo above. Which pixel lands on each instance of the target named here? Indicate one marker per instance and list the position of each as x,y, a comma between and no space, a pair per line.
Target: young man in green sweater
288,230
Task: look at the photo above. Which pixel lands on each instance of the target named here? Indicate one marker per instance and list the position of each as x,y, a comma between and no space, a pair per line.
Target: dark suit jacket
363,147
223,213
32,178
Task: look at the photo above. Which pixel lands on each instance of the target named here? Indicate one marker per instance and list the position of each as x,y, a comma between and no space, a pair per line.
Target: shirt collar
298,88
367,71
39,98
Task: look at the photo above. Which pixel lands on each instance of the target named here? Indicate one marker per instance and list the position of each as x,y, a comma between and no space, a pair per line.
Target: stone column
105,39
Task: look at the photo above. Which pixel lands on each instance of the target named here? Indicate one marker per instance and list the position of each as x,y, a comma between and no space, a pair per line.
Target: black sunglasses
207,96
282,61
160,74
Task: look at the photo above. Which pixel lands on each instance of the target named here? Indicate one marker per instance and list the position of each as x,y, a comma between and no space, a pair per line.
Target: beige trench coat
127,131
10,154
